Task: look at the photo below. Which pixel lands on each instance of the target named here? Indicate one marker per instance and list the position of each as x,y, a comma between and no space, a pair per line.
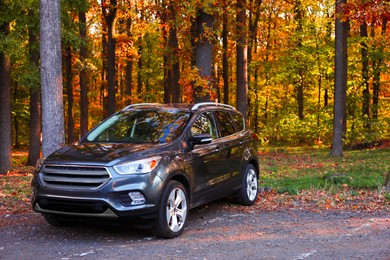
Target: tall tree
140,64
203,54
69,92
340,82
242,58
53,130
5,98
110,15
35,95
298,13
365,72
129,55
173,44
254,7
377,66
83,71
168,16
225,60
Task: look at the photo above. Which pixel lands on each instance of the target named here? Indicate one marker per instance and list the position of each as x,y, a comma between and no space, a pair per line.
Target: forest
275,60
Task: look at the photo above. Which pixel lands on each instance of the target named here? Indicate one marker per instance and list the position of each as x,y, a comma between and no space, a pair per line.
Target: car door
231,136
206,160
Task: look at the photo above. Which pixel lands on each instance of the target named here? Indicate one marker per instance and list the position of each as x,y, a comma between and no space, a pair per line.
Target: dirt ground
215,231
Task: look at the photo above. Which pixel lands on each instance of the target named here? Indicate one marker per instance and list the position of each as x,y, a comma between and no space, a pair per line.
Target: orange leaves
367,11
15,192
320,200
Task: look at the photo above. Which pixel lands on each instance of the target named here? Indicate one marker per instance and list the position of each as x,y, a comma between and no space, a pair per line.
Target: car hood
98,153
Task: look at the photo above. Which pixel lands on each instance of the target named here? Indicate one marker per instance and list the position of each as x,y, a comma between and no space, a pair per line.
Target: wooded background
275,60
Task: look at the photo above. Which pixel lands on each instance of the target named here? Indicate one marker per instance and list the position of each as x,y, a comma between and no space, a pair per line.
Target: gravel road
216,231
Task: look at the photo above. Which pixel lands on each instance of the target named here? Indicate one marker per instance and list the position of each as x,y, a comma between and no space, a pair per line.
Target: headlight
39,164
140,166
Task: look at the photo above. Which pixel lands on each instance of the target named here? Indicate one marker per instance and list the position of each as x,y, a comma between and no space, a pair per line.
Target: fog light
137,198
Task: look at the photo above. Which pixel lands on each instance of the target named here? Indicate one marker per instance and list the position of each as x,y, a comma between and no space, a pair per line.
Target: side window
225,122
239,121
204,124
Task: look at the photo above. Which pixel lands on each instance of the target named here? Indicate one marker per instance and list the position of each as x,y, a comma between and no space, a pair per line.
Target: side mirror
202,139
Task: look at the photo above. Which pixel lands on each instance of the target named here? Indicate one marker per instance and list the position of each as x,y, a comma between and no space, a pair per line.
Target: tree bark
53,130
139,67
175,76
225,60
203,55
254,17
340,88
365,74
5,105
109,13
140,60
129,58
35,104
242,59
377,66
83,75
171,58
69,91
299,82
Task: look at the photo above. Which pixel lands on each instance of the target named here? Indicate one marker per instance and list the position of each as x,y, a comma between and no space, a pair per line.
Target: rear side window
225,122
239,121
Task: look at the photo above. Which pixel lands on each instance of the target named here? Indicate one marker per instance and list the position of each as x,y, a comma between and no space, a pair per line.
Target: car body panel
208,171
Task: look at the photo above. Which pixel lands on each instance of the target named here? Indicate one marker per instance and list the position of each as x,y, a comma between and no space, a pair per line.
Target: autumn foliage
143,51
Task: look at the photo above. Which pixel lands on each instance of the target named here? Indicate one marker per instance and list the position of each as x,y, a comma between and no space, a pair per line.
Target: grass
292,170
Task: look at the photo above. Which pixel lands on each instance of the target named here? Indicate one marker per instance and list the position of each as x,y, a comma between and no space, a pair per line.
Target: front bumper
109,201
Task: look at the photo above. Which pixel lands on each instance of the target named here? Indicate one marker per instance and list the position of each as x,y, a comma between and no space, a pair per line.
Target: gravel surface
215,231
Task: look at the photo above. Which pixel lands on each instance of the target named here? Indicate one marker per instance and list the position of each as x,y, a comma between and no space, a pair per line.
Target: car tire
173,211
248,194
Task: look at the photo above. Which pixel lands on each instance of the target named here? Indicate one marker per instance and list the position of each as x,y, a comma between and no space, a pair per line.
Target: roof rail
140,105
196,106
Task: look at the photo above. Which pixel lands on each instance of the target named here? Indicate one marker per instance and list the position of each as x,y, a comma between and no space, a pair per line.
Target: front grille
73,206
75,177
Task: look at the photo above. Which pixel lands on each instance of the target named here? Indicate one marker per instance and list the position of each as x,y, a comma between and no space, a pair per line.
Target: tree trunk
254,17
377,65
139,67
69,91
299,82
365,76
340,88
83,75
15,119
167,79
103,75
300,96
5,106
109,13
53,131
242,61
35,104
129,59
225,60
175,75
171,58
203,55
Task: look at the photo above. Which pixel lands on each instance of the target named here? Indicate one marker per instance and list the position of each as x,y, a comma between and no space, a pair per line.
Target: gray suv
150,163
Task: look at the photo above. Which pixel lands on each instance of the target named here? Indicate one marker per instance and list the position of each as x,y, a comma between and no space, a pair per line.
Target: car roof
179,106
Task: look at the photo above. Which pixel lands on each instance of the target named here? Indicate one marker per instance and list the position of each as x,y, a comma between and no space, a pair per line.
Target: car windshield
143,126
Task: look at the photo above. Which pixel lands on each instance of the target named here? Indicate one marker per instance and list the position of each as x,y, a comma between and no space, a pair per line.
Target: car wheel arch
181,177
257,167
